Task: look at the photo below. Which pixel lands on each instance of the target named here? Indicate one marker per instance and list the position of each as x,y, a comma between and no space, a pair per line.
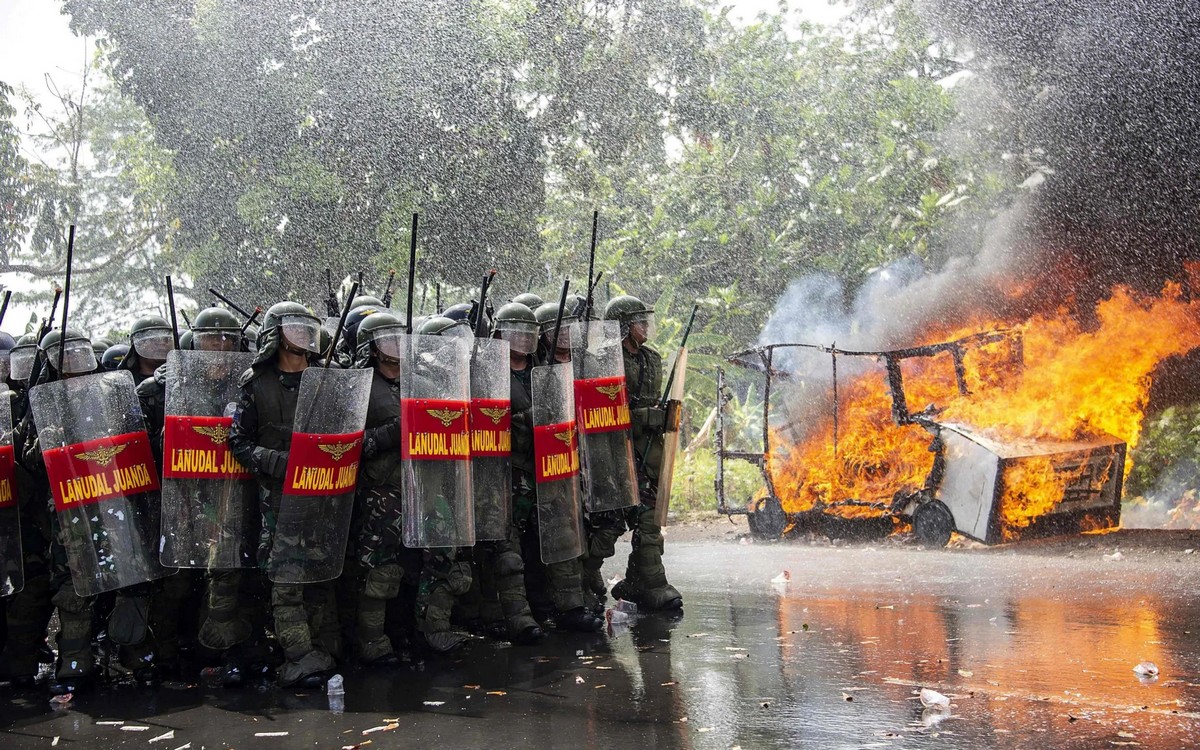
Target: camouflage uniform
645,576
305,615
553,588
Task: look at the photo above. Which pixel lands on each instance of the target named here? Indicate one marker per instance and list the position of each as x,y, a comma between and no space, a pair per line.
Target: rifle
331,303
481,330
387,292
662,402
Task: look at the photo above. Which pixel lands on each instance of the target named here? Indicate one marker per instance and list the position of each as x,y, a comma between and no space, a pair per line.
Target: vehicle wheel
768,520
933,523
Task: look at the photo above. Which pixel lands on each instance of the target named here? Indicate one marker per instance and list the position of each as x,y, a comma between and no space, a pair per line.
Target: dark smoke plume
1110,90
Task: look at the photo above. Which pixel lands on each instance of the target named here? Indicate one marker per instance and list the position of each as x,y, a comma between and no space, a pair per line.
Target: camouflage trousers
27,614
305,616
498,585
549,587
644,568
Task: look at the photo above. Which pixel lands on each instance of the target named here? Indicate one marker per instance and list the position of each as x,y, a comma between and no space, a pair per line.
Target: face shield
641,326
389,343
458,331
521,337
4,366
216,341
301,332
79,357
20,361
153,343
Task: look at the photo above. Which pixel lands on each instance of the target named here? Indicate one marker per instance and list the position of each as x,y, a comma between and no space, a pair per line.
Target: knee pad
383,582
509,563
458,577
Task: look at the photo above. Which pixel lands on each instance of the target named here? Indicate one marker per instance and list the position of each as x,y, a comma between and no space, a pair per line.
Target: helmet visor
216,341
389,343
20,361
460,331
301,332
153,343
77,359
521,342
641,326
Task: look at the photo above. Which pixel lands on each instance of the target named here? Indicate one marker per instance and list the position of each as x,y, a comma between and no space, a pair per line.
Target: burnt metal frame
765,356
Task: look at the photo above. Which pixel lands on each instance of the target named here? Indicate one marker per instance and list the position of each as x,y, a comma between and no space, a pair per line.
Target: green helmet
516,324
291,321
99,346
151,338
383,330
575,305
440,326
366,299
78,357
21,356
354,318
547,314
629,311
529,299
213,329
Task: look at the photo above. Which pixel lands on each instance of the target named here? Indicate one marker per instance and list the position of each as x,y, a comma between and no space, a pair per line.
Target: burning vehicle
1024,431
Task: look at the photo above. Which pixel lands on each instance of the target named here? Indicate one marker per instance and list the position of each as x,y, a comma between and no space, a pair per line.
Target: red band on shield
101,469
198,448
602,404
556,447
8,494
491,427
322,463
434,429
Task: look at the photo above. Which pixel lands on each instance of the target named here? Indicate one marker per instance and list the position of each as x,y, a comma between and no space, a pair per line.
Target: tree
95,164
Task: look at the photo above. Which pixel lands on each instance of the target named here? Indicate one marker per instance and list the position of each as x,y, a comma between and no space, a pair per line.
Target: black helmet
213,329
113,356
629,311
529,299
151,338
99,346
516,324
440,325
78,357
378,332
461,311
354,318
21,356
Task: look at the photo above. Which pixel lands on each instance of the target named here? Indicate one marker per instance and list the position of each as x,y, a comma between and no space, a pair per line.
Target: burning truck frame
989,488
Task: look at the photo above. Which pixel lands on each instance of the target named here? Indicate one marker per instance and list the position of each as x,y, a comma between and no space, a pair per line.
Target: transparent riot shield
609,475
12,561
313,525
556,459
209,500
102,477
435,442
491,438
666,468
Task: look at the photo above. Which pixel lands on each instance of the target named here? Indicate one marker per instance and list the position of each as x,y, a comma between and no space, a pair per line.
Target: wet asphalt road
1031,648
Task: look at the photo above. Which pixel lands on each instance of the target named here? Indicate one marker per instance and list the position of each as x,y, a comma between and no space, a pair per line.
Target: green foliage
1168,451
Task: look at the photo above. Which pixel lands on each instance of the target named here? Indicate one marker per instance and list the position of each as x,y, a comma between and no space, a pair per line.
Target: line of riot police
282,501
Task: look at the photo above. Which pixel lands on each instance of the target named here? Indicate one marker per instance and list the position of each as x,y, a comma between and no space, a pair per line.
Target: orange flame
1079,382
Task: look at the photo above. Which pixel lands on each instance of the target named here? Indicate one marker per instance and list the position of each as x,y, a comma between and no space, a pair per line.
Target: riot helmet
151,338
288,321
546,316
529,299
21,356
354,319
214,329
7,343
440,325
78,357
635,317
113,357
516,324
461,311
367,300
379,336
